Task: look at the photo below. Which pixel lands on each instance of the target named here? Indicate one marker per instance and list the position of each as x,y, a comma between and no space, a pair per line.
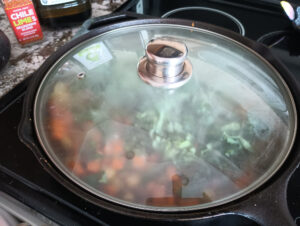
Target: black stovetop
21,175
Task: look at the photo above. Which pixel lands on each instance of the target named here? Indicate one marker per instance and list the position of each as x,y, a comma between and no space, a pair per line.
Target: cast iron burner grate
283,39
208,15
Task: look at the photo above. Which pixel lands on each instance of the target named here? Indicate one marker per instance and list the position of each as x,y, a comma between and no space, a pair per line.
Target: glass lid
165,117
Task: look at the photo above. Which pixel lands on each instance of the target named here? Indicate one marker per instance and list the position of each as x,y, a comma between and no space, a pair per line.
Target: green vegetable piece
245,144
189,137
203,152
103,178
209,146
232,140
234,126
185,144
193,150
230,153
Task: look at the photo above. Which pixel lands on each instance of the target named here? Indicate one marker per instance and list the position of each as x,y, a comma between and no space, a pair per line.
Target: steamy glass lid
126,135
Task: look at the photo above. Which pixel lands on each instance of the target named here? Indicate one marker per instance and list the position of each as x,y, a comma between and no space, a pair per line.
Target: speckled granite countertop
25,60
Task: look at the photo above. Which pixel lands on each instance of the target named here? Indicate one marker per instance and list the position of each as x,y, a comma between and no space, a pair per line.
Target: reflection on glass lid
212,140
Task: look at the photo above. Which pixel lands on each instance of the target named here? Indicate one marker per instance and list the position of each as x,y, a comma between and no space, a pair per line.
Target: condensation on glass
210,141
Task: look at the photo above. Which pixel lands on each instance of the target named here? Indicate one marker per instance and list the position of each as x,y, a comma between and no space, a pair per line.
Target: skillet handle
100,21
269,207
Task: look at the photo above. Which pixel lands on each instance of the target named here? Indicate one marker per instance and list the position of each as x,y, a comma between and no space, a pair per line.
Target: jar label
94,55
23,19
55,2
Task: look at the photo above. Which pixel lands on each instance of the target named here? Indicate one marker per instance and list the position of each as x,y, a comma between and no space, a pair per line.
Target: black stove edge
51,206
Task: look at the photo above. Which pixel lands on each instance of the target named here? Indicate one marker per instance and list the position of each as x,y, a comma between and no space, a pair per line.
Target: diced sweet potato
94,166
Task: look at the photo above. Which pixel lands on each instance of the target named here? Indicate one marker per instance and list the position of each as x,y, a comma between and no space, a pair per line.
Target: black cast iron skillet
267,205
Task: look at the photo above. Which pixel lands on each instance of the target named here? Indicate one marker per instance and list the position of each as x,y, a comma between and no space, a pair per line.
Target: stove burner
208,15
283,39
273,38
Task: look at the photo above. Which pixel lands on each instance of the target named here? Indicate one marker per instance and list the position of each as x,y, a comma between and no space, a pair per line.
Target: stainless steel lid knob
165,64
